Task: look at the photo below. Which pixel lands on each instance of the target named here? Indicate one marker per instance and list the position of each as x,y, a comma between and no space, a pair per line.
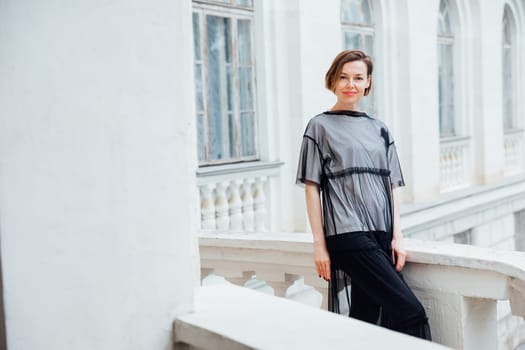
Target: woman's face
352,84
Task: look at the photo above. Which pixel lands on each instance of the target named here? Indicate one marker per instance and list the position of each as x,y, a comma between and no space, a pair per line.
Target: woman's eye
359,78
342,77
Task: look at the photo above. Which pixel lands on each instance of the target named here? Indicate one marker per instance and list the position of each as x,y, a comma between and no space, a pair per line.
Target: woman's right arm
313,207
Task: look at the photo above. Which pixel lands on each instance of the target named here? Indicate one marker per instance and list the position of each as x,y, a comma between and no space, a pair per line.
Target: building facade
128,128
448,81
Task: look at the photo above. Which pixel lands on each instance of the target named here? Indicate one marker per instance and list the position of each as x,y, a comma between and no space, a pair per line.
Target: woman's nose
350,82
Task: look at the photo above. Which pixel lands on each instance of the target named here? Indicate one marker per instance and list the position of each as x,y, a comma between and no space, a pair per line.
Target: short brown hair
332,76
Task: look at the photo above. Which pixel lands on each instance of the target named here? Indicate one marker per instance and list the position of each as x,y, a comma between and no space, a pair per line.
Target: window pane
196,37
247,134
201,136
353,41
449,89
231,136
507,89
356,12
509,121
245,3
444,27
219,84
244,42
446,90
199,100
368,45
246,88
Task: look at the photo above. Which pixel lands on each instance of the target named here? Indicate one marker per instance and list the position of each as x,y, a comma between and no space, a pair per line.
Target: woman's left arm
398,249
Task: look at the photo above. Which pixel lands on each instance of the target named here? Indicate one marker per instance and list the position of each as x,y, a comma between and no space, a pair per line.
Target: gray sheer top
353,158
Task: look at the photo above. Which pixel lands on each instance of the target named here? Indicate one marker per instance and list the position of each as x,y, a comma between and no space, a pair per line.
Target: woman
350,159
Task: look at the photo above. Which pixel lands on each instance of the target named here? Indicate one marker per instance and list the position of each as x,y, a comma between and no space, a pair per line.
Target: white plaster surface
97,184
227,315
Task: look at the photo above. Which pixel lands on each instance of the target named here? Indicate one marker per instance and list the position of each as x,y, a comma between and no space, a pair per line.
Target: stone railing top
232,317
456,204
508,263
228,172
442,253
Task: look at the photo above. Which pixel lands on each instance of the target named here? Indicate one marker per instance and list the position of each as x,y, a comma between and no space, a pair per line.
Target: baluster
466,163
442,167
221,207
247,205
280,281
462,166
456,164
241,281
207,207
445,167
517,152
235,204
259,204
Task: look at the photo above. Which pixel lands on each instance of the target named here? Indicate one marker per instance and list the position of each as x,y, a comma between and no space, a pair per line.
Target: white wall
97,163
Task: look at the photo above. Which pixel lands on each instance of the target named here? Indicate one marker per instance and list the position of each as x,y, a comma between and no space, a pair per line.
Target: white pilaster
418,90
487,86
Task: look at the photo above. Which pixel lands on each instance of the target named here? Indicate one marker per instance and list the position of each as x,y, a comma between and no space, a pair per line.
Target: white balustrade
235,197
455,164
458,284
514,144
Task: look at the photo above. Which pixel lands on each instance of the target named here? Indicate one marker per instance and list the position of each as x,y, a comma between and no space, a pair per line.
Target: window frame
511,92
448,40
234,13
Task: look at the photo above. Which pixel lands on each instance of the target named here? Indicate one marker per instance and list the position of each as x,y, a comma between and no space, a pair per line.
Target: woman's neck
345,107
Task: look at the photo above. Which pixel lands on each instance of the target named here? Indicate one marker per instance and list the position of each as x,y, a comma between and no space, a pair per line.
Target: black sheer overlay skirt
379,294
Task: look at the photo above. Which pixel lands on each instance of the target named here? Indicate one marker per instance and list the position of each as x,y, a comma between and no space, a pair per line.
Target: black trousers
379,294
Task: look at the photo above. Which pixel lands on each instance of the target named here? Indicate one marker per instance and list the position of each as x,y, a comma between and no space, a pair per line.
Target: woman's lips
348,93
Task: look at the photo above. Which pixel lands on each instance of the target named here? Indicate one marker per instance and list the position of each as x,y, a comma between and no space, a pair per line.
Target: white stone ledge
231,317
463,209
227,172
507,263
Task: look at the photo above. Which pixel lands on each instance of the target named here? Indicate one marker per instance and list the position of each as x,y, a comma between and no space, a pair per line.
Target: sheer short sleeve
310,162
396,175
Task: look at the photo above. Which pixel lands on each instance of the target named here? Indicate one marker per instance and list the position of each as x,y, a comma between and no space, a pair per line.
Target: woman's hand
322,260
399,254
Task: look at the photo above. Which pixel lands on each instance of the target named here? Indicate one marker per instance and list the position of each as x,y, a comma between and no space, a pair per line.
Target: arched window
358,34
447,120
508,63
